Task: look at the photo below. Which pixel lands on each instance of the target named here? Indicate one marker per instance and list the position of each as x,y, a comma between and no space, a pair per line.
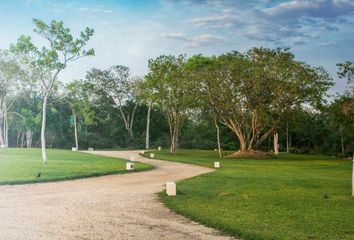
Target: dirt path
109,207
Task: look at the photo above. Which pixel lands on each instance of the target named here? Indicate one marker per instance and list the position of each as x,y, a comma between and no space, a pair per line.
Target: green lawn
290,197
23,165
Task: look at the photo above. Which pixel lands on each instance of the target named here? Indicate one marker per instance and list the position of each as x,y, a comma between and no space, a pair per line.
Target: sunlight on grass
289,197
24,165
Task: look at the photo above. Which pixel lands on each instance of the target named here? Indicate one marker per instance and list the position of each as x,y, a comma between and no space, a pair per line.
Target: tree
252,92
46,63
147,134
79,94
116,82
346,71
170,89
11,75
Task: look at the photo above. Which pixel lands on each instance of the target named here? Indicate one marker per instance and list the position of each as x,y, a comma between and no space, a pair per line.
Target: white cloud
203,41
95,10
174,35
297,18
195,41
326,44
315,9
227,18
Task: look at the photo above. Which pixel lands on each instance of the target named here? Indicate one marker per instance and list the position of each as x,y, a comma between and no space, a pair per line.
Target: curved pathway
109,207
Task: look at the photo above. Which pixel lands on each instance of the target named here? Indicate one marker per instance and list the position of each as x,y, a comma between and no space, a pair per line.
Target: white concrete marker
2,146
74,149
90,149
130,166
132,158
216,164
159,148
171,189
152,155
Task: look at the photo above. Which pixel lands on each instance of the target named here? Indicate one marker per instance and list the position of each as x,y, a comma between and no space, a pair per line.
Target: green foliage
63,47
262,90
346,70
252,93
168,87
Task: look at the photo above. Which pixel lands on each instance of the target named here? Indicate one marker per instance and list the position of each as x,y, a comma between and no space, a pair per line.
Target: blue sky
129,33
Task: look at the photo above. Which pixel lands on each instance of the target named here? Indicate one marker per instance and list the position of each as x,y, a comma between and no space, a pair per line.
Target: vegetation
44,64
262,99
168,86
288,197
252,93
116,82
233,101
22,166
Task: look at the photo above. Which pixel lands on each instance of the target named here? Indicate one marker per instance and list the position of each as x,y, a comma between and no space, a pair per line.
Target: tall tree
252,92
117,83
79,94
47,62
11,75
346,71
170,89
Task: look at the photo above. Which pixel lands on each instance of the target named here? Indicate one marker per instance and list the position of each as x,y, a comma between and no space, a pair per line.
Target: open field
290,197
23,166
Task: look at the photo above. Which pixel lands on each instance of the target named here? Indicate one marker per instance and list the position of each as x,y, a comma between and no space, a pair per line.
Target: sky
319,32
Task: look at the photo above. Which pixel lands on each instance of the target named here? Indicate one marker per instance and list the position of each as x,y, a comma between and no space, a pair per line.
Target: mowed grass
19,166
290,197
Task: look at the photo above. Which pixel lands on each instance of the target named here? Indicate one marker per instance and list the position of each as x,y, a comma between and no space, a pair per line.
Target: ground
290,197
120,206
25,165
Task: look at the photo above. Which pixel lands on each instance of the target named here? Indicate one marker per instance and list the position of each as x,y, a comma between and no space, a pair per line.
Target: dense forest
242,99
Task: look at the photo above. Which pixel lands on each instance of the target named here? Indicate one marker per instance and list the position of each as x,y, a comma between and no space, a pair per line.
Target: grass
18,166
290,197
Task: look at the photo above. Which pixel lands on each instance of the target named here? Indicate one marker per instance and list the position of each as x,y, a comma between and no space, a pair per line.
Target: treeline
261,100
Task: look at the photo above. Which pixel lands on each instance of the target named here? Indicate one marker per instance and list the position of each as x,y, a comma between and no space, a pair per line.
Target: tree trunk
341,138
147,137
29,135
2,143
218,136
6,129
23,135
75,130
243,147
287,137
276,146
174,124
174,145
18,138
4,132
2,120
174,141
128,120
44,118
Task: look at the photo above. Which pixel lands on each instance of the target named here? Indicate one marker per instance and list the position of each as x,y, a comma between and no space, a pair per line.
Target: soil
251,154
